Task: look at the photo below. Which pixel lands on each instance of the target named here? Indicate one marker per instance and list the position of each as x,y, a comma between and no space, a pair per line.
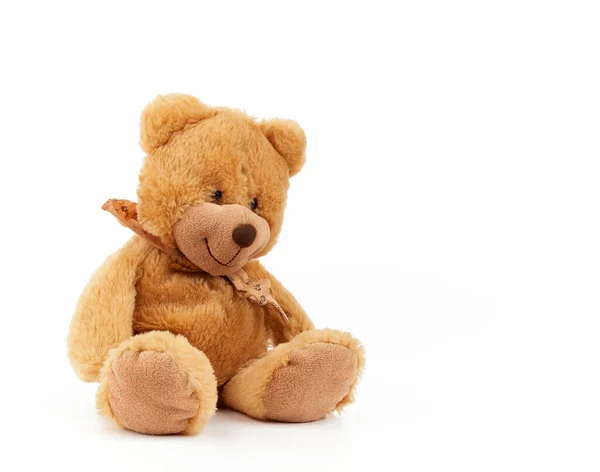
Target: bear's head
214,182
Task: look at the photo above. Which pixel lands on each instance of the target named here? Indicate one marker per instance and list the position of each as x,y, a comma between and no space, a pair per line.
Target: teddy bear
184,317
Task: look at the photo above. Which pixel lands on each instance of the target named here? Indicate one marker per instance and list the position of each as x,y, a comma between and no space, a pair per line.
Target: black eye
217,196
253,204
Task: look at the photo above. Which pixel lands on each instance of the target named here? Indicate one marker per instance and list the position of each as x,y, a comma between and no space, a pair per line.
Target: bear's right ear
289,141
167,114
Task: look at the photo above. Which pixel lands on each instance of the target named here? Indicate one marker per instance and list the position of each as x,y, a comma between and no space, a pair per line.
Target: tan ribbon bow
256,292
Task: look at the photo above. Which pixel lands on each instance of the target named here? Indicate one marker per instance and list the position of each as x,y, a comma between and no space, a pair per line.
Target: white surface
459,142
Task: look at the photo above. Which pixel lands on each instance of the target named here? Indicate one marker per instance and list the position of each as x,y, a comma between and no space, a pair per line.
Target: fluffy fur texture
167,115
104,314
289,140
147,299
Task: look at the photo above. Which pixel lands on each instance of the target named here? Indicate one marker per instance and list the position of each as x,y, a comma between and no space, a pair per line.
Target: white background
448,213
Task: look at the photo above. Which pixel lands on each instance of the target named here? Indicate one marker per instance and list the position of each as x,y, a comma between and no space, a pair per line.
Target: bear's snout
220,239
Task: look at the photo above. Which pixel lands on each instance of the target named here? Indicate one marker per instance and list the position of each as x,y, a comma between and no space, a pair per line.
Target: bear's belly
207,311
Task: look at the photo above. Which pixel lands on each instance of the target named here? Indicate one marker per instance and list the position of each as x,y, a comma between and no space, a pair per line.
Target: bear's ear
288,139
167,114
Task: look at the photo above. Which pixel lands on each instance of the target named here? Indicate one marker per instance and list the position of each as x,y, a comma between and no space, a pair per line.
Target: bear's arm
104,313
298,319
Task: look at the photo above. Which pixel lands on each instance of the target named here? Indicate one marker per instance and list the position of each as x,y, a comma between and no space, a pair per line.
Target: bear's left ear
288,139
167,114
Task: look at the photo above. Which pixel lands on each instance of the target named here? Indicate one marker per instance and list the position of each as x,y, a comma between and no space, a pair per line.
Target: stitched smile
217,260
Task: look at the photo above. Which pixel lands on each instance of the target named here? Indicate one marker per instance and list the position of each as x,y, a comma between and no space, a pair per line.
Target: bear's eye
253,204
217,196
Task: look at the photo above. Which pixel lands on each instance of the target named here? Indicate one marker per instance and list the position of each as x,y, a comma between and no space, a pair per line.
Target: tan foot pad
149,394
312,384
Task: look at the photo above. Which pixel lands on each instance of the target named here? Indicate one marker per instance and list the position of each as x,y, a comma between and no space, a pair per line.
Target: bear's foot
300,381
312,384
157,383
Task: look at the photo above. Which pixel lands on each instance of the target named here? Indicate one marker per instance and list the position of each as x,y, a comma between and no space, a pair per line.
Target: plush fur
104,314
147,299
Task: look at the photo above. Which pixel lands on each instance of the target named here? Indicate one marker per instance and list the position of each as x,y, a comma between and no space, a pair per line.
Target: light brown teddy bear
183,316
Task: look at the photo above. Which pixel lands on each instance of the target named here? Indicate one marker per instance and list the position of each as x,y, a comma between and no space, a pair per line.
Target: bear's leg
157,383
299,381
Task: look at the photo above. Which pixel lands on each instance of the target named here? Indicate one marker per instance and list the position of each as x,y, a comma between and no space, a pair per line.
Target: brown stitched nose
244,235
